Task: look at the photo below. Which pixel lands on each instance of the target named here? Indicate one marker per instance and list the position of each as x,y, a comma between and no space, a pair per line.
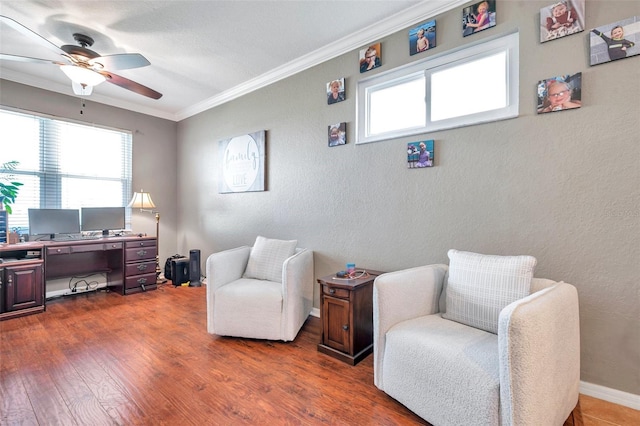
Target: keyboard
76,238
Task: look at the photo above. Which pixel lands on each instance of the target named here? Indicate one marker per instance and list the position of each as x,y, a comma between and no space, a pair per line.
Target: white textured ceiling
202,53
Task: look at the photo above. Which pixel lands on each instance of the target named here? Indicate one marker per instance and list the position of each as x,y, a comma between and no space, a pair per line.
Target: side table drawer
140,268
335,292
140,280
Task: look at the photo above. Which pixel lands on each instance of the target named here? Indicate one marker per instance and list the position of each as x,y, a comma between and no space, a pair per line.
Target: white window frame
509,44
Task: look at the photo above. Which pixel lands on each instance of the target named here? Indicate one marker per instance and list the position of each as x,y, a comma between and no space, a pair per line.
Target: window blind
64,164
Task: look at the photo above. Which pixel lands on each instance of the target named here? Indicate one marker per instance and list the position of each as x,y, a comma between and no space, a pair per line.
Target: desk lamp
142,200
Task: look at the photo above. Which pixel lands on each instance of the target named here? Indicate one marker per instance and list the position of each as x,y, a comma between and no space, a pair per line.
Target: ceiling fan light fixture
81,89
82,76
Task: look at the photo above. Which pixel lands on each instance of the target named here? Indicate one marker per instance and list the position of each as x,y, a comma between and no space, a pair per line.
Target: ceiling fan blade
121,61
4,56
125,83
32,35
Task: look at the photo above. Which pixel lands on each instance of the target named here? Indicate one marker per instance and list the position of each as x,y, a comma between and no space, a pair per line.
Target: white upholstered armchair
260,292
444,352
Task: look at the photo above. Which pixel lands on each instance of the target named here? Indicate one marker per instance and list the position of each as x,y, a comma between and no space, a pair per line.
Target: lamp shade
141,200
82,75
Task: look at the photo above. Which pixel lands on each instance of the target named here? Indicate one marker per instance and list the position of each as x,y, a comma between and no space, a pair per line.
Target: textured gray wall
563,187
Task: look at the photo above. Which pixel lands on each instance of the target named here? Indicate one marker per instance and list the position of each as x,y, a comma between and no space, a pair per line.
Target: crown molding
412,15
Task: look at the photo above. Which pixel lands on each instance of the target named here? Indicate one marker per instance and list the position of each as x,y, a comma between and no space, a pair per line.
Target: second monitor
103,219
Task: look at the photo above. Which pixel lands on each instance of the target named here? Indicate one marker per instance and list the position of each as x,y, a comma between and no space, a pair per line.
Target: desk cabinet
346,314
21,288
129,264
140,265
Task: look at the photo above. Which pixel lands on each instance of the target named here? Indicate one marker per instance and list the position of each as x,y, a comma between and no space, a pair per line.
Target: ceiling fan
82,65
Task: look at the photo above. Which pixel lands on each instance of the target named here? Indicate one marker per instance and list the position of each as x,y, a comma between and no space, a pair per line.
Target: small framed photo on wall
420,154
478,17
422,37
335,91
370,57
560,93
337,134
618,40
561,19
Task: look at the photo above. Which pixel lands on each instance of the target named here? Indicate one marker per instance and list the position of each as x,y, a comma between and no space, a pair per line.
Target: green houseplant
8,188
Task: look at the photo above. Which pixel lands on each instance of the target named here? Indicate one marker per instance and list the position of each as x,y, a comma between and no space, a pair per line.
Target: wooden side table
346,315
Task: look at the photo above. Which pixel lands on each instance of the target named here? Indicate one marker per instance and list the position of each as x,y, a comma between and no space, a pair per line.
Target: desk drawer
113,246
140,243
58,250
140,268
140,280
140,253
87,247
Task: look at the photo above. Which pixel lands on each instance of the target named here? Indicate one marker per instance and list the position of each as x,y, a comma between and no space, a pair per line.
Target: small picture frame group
335,91
618,40
478,17
560,93
420,154
422,37
561,19
370,57
337,134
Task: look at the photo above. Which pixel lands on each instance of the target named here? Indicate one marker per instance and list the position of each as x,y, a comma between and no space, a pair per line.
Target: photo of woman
560,93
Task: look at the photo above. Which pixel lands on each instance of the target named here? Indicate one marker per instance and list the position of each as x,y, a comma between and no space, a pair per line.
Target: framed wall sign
242,163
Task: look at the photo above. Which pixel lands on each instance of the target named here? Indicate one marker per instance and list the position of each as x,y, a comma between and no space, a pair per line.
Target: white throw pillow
480,286
266,258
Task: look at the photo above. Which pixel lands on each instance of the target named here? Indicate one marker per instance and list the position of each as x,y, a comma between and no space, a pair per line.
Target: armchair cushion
266,258
444,371
480,286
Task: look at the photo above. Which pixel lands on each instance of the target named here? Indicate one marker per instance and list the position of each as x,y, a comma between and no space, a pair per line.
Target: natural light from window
477,83
454,94
396,107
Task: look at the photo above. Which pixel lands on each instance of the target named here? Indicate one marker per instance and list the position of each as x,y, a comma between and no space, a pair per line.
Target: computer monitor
102,219
54,221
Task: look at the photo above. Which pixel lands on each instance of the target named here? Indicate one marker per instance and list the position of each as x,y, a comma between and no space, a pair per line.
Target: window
472,85
63,164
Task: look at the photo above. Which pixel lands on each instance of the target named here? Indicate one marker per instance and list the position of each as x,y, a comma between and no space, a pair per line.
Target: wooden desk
129,264
346,315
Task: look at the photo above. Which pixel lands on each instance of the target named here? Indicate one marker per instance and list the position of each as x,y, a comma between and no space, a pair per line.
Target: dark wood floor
104,359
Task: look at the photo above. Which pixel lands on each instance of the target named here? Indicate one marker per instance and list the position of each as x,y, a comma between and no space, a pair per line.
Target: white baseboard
612,395
315,312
